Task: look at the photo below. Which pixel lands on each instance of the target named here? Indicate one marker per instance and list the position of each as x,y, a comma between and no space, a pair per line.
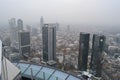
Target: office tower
34,31
13,32
20,25
83,51
41,22
57,26
96,57
28,28
24,43
12,22
30,71
49,42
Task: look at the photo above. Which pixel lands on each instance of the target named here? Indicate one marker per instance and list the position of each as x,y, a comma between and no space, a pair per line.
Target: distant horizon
96,12
38,23
65,24
114,29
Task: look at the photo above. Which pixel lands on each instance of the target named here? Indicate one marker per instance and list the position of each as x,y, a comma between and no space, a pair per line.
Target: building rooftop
9,71
51,62
43,72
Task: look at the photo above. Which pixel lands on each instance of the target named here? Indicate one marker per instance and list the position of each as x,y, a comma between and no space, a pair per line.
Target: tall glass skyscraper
96,57
83,51
49,42
24,43
13,32
20,25
41,23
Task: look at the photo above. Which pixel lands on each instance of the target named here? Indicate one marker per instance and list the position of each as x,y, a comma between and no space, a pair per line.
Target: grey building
96,57
13,32
28,28
41,22
24,43
57,26
20,25
34,32
83,51
49,42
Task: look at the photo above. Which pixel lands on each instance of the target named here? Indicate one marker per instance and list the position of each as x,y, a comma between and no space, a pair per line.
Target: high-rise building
57,26
96,57
20,25
7,70
24,43
28,71
49,42
12,22
28,28
13,32
83,51
41,22
34,32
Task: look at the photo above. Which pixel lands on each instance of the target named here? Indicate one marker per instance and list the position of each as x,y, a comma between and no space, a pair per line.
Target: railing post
43,75
31,74
56,78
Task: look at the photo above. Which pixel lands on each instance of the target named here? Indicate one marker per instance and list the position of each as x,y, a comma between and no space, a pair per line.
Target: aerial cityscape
52,47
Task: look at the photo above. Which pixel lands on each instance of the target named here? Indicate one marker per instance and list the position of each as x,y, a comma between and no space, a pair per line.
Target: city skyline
60,40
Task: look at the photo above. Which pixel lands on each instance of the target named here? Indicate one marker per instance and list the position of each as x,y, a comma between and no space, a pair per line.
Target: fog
100,12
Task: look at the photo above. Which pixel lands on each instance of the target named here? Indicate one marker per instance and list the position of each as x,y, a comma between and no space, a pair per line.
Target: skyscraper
41,22
96,57
20,25
24,43
49,42
13,32
83,51
34,32
28,28
57,26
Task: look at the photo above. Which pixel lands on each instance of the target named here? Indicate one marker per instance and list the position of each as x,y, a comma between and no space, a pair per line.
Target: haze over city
60,40
100,12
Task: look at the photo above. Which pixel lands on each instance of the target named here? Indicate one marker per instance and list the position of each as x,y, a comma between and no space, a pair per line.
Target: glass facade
20,24
25,38
45,43
25,50
96,57
49,42
24,43
39,72
83,51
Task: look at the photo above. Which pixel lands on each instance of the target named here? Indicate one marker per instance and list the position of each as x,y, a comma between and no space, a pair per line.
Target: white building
7,70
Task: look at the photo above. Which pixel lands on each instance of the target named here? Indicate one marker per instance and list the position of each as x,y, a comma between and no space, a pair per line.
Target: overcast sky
63,11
